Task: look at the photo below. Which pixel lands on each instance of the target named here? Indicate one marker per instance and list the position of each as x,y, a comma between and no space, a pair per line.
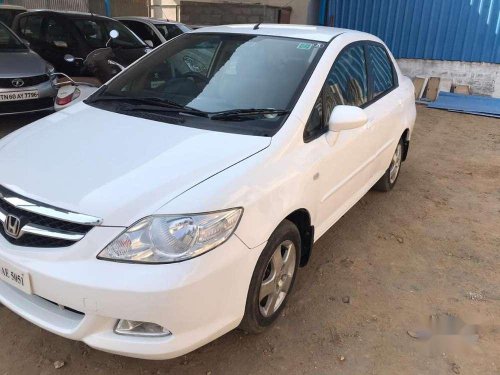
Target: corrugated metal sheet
455,30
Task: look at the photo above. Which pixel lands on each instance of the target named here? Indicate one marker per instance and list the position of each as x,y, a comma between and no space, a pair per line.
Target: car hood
116,167
21,64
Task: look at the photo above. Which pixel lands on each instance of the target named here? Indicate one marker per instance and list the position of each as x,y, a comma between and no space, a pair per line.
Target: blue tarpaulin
473,104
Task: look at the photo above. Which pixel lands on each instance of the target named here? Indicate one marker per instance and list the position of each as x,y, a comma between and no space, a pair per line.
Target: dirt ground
429,247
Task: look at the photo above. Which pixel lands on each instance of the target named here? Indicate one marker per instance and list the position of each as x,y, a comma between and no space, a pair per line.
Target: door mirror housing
69,58
149,43
26,43
345,117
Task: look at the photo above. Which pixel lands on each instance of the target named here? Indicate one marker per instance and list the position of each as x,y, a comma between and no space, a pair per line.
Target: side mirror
26,43
114,34
149,43
69,58
60,44
345,117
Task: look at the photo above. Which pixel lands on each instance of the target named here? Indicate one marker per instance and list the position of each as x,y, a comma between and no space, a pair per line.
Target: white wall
484,78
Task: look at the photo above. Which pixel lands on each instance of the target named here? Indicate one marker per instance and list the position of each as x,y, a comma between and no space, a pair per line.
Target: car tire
390,177
273,278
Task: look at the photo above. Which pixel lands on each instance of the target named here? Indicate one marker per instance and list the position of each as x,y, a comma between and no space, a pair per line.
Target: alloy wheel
277,278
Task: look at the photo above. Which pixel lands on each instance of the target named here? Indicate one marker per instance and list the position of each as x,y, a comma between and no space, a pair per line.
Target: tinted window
31,27
346,84
168,31
56,34
96,32
382,72
143,31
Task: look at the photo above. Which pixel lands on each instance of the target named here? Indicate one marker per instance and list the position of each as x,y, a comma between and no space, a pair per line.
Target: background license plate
15,277
18,95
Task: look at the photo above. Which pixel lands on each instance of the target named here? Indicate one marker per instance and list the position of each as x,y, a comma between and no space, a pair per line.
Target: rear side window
31,27
382,70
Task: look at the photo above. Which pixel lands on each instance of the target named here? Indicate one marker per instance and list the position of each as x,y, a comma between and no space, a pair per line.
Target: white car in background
178,202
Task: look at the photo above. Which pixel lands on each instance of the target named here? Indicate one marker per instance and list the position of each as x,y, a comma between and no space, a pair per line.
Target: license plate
15,277
18,95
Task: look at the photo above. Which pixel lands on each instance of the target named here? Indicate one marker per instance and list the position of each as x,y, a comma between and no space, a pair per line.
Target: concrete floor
425,253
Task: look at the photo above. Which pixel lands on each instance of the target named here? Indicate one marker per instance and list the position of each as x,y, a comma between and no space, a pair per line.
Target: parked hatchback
26,80
154,31
178,202
54,34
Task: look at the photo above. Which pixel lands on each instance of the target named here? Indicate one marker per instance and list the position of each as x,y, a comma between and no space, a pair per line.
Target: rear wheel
388,180
273,278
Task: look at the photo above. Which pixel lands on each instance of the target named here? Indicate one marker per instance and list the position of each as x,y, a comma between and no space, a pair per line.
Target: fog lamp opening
143,329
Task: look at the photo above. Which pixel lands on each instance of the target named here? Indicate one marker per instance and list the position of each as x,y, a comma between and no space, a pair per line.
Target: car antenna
256,27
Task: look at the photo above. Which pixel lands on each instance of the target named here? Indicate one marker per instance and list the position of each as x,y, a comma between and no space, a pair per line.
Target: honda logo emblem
17,82
12,226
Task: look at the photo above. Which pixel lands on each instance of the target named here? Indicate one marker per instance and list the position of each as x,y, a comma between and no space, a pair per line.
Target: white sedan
179,201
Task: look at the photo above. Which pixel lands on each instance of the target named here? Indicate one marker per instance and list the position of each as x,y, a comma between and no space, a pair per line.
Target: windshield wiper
151,104
248,113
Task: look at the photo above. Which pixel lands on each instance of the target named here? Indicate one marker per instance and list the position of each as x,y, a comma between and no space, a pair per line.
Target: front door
345,159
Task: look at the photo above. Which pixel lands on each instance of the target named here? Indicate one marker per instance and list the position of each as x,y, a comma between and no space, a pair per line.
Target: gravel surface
396,270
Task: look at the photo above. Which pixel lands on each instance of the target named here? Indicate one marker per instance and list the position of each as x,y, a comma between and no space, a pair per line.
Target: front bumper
197,300
46,91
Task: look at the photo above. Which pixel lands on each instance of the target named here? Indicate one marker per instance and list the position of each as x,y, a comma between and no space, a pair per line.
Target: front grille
49,231
6,83
31,240
26,105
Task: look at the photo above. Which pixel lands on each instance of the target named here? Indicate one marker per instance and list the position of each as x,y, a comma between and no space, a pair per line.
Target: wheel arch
302,220
406,142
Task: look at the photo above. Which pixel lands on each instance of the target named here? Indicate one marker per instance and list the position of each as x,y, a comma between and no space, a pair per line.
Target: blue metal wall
463,30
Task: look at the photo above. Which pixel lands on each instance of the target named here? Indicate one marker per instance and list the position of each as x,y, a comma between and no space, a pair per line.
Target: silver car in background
27,82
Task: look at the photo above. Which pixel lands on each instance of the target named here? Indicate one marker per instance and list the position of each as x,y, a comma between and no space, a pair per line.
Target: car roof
147,19
309,32
16,7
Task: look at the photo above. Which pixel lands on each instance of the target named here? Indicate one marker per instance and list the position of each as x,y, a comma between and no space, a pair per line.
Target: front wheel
388,180
273,278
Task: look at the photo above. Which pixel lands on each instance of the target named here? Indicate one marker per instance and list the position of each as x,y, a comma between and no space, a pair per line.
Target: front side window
96,31
57,35
346,84
214,73
9,42
382,71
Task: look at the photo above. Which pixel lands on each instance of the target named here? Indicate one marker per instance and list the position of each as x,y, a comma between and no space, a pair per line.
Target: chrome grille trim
39,230
46,210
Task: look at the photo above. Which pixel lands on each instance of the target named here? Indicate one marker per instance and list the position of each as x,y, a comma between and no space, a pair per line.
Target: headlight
172,238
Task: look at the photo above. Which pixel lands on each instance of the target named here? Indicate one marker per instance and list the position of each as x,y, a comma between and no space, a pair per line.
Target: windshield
213,73
9,42
7,15
96,32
